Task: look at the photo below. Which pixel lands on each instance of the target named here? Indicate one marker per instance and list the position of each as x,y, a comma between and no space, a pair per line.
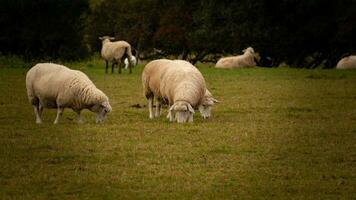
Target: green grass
277,134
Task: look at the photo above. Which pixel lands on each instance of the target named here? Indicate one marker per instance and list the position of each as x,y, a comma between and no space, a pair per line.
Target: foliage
286,30
43,29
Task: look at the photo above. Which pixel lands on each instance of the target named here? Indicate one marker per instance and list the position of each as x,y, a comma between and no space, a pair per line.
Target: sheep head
101,111
205,107
182,111
105,39
249,50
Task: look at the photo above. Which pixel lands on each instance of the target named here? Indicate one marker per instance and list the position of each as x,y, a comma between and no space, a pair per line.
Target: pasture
278,133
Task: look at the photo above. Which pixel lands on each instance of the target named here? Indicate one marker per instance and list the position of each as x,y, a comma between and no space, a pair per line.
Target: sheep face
249,49
182,111
207,103
205,107
101,111
106,39
205,111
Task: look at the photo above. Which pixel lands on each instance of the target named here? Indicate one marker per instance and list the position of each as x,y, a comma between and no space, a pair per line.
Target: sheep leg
79,118
150,107
59,113
130,64
190,119
120,65
40,110
106,66
158,108
170,115
37,113
112,67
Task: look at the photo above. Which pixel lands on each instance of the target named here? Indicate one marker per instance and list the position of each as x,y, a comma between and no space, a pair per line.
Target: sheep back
151,77
348,62
181,81
114,51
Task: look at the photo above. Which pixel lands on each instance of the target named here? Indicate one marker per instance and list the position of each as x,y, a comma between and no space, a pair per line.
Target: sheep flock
177,84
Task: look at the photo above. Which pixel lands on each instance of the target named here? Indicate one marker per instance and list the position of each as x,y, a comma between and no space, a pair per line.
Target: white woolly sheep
115,52
240,61
348,62
55,86
177,83
133,62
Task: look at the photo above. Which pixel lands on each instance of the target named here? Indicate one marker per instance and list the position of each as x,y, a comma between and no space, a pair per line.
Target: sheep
177,83
348,62
115,52
133,62
55,86
240,61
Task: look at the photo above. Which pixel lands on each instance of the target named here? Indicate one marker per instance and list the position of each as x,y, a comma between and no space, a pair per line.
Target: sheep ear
101,38
215,100
171,108
190,108
111,38
106,106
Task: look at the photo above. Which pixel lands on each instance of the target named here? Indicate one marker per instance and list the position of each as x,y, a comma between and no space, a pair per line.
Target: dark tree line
285,30
43,28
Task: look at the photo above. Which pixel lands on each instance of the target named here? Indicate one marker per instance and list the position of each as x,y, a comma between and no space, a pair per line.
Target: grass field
277,134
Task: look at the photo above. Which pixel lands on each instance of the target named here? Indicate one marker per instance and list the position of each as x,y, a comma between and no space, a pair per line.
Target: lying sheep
177,83
348,62
245,60
133,62
115,52
55,86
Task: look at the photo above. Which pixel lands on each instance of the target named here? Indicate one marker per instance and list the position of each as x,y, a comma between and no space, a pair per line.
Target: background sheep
115,52
177,83
133,62
245,60
348,62
56,86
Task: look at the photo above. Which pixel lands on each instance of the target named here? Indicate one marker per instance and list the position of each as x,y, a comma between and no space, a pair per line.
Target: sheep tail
128,54
146,90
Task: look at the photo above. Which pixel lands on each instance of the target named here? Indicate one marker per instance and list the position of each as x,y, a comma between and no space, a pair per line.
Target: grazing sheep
245,60
55,86
177,83
115,52
348,62
133,62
